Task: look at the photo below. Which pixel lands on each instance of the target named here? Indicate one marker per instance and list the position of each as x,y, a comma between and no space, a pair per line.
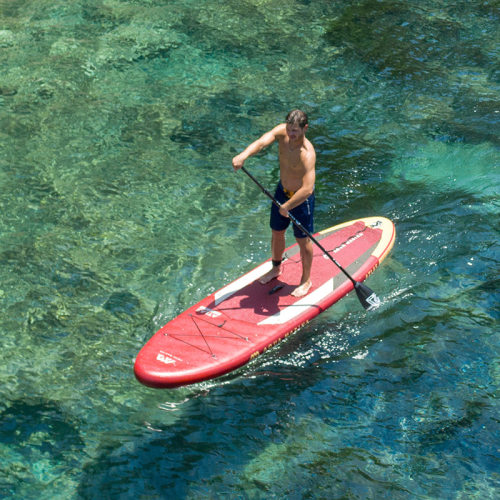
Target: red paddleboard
240,321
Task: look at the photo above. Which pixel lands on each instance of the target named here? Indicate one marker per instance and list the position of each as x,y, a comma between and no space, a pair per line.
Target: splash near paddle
232,326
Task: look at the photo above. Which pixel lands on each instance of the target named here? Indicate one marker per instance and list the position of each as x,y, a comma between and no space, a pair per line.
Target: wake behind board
243,319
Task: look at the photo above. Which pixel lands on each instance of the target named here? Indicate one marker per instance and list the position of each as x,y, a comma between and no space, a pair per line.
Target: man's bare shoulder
308,152
279,131
308,145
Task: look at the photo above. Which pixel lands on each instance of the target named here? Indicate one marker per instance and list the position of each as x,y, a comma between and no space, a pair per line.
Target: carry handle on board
365,295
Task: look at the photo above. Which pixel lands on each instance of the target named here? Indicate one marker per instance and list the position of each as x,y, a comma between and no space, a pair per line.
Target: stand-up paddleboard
240,321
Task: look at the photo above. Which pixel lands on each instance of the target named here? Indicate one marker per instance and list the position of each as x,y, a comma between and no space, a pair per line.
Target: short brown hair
297,117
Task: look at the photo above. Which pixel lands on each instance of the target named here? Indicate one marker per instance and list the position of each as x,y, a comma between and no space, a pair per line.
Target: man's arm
262,142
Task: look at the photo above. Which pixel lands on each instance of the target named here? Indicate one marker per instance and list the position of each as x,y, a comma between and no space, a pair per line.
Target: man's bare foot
303,289
270,275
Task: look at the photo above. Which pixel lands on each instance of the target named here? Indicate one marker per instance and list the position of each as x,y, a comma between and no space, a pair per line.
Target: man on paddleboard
295,192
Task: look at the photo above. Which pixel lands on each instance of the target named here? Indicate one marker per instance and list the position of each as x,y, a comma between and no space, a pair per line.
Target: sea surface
119,209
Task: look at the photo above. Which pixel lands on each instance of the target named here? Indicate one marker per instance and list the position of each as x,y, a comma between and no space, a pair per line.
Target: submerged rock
442,167
122,303
41,440
402,41
7,38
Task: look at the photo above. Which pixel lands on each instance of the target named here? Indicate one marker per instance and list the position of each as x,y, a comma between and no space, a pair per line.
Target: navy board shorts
304,213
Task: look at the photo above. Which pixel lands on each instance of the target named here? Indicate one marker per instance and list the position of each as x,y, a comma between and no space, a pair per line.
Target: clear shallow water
118,121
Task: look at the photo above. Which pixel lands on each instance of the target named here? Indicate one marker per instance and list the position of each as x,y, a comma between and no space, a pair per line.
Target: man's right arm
262,142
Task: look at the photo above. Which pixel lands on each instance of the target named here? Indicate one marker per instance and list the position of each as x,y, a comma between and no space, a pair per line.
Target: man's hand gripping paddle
365,295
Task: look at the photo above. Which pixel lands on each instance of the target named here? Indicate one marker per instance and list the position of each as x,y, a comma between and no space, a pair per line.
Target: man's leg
306,255
277,249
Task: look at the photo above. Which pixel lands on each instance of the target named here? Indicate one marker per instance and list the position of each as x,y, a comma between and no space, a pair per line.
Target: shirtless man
295,192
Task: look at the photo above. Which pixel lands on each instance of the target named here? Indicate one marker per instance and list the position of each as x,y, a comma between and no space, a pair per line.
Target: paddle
365,295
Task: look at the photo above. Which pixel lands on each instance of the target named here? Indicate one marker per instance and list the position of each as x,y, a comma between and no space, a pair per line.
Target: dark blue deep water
119,209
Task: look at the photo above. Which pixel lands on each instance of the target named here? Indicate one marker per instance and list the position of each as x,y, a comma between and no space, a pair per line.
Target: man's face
294,131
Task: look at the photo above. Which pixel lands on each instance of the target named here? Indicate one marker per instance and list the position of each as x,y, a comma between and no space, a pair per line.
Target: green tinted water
119,209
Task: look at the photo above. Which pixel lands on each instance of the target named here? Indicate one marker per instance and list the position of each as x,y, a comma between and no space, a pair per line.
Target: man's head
296,125
297,117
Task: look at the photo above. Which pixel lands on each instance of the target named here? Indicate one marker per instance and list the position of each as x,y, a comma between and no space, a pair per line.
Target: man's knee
278,234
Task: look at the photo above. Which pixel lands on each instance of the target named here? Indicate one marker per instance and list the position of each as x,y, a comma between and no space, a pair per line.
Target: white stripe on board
227,291
300,306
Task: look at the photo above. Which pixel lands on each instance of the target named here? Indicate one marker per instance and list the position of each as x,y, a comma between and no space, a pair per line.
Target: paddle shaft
300,226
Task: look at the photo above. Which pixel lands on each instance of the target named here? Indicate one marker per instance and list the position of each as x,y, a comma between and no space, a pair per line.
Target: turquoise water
119,209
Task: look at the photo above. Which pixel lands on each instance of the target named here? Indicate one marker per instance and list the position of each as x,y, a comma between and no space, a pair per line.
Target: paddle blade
367,297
